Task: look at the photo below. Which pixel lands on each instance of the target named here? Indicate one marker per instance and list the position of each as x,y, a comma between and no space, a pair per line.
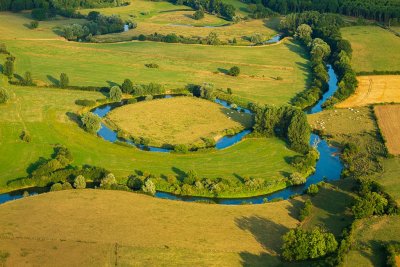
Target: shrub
370,204
34,24
80,182
85,102
234,71
152,65
115,94
56,187
135,182
127,86
91,122
191,177
132,101
25,194
66,186
148,97
108,180
312,190
181,149
25,136
28,81
149,187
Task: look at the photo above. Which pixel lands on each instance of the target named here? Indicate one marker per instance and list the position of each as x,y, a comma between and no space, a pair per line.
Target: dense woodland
212,6
18,5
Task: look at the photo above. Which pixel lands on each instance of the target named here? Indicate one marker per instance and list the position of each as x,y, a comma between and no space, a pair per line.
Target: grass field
179,120
390,178
43,113
370,236
70,228
389,123
374,89
374,48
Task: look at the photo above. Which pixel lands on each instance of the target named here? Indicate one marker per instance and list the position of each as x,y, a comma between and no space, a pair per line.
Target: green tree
312,190
199,14
320,50
28,79
127,86
303,33
191,177
370,204
80,182
34,24
64,80
115,94
149,187
135,182
306,210
257,38
4,96
212,39
91,122
66,186
297,179
234,71
108,181
9,67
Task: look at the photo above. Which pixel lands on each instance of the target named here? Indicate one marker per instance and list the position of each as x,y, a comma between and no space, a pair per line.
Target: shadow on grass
53,80
246,120
180,174
111,83
224,71
75,118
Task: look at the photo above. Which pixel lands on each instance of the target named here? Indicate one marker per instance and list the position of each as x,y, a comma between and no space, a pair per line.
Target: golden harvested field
103,228
178,120
389,122
374,89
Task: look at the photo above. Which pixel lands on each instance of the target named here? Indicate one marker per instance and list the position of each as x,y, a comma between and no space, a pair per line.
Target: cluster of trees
212,6
326,29
393,250
306,210
91,122
287,122
142,89
258,10
300,244
211,39
98,24
372,200
8,67
370,9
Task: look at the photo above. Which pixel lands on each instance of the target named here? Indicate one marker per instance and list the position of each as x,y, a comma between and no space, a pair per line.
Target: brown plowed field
389,123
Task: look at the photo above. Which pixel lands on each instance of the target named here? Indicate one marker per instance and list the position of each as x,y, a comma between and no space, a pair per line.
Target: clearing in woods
374,89
179,120
65,224
389,123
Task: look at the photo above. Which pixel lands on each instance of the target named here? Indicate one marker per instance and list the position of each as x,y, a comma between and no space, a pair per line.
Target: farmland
374,89
219,235
374,48
171,121
388,120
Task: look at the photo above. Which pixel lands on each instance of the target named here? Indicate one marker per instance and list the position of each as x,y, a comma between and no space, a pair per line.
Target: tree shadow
111,83
53,80
33,166
222,70
246,120
19,78
75,118
295,47
262,260
180,174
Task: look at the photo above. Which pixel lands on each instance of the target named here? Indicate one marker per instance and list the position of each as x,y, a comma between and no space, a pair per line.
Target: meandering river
328,167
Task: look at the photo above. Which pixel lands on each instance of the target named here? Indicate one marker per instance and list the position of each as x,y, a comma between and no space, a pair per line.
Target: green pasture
374,48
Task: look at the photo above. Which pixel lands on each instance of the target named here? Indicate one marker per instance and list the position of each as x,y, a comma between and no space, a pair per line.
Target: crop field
389,123
47,114
374,48
374,89
63,224
370,235
179,120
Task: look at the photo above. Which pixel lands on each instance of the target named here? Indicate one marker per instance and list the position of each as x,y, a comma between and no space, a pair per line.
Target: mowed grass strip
178,120
142,230
389,123
374,48
374,89
47,114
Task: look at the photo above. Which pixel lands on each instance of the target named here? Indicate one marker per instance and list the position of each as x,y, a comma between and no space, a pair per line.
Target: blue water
328,167
274,39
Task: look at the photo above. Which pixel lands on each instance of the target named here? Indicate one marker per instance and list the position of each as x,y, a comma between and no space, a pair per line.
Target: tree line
212,6
379,10
19,5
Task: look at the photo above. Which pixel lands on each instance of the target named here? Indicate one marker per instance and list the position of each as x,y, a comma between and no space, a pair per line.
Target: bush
149,187
25,136
80,182
191,177
135,182
148,97
34,24
152,65
115,94
85,102
181,149
91,122
56,187
371,203
127,86
234,71
312,190
66,186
